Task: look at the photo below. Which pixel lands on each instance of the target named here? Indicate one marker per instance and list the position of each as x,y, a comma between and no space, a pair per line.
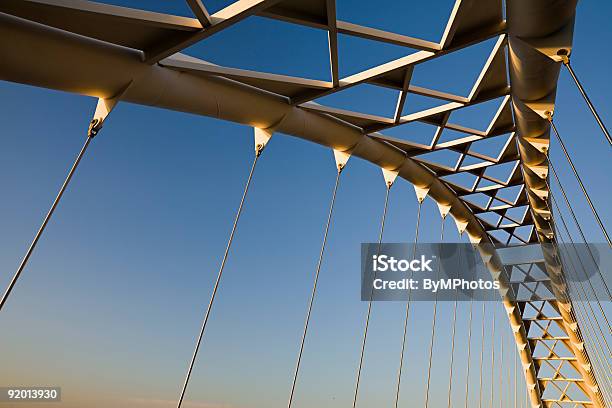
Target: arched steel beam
539,33
63,61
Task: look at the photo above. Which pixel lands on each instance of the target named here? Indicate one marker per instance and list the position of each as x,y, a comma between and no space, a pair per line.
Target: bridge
118,54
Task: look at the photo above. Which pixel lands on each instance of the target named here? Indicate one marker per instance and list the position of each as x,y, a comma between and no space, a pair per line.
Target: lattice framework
504,206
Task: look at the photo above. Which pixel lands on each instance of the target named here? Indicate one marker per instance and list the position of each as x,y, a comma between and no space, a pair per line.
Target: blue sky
112,299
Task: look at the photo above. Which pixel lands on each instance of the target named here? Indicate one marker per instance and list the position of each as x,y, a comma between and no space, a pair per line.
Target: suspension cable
566,62
501,365
469,355
450,378
407,314
433,326
571,210
589,329
469,339
90,135
578,308
314,286
367,322
581,314
584,293
515,396
554,201
589,332
484,309
219,274
588,318
584,191
526,396
493,350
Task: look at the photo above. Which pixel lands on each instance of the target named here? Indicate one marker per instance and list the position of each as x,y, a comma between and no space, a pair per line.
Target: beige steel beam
99,69
536,37
199,10
186,84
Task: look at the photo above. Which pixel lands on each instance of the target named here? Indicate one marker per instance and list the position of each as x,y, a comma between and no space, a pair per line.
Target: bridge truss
120,54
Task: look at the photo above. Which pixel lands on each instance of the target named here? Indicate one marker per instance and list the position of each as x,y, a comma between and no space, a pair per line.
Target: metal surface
106,51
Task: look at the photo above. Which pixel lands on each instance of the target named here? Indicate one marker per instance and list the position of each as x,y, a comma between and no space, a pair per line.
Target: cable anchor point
104,107
262,137
341,158
421,192
389,176
94,127
259,149
549,115
564,56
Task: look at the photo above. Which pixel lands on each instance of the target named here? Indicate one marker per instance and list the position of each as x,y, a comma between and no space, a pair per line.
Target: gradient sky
112,299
